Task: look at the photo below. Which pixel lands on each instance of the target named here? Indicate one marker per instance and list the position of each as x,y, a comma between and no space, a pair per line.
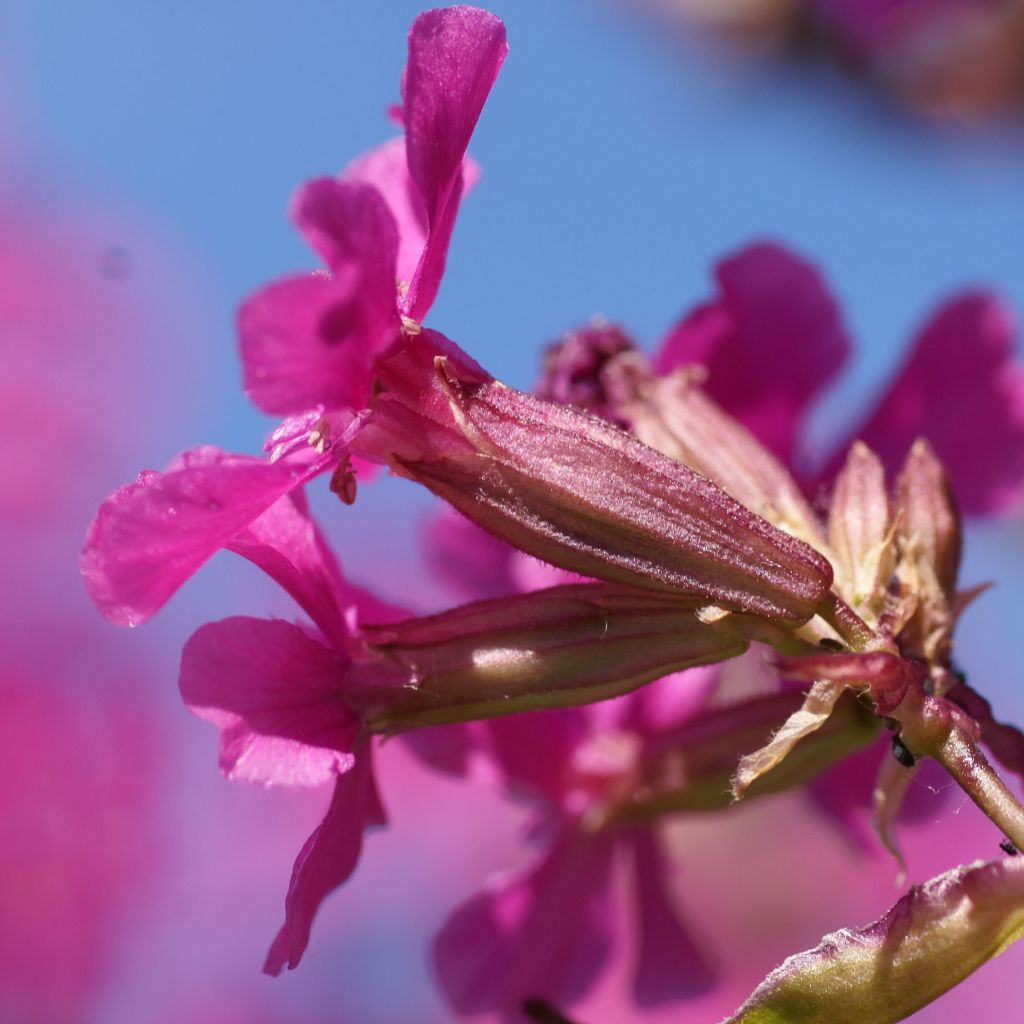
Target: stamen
410,326
320,436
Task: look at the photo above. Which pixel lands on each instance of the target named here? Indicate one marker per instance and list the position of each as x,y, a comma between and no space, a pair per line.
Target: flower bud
549,648
575,491
932,939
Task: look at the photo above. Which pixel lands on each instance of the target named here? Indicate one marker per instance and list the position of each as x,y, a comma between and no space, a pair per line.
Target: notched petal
932,939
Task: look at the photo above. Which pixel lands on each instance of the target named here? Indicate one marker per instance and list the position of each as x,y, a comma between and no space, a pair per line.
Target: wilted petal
670,966
576,491
673,415
327,859
886,799
966,350
932,939
454,57
151,535
542,934
275,693
550,648
770,342
812,715
859,532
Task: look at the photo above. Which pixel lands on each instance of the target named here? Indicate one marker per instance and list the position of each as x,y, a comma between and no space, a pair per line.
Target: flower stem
964,760
855,632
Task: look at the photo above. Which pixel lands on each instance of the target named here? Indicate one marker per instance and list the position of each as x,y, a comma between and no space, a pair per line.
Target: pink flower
548,931
314,339
771,341
275,692
688,540
310,344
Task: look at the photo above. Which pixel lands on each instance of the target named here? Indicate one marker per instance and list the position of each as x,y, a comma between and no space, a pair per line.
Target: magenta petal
286,544
466,557
534,751
387,170
541,934
963,356
276,695
327,859
445,748
309,340
454,57
770,342
150,536
670,965
350,224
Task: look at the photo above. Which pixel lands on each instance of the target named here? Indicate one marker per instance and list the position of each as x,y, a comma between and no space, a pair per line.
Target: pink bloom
547,931
772,339
274,690
310,344
315,339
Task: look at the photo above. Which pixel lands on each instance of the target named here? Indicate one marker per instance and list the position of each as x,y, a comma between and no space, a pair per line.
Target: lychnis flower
685,539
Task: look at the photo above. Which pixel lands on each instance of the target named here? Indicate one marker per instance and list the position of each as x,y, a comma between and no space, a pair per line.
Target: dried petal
928,531
859,532
812,715
932,939
575,491
690,768
886,800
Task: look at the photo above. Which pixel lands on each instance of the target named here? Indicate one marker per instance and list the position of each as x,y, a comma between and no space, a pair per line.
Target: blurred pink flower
77,840
548,931
955,59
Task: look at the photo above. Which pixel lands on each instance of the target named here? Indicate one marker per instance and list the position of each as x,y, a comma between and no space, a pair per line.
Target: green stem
934,727
964,760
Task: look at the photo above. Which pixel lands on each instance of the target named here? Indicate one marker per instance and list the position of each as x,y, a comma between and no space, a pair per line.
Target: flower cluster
620,534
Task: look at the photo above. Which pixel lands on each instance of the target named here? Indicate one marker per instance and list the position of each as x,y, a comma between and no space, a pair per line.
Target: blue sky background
618,165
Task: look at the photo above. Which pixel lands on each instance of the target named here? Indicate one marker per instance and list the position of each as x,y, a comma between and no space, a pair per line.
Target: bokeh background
147,155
